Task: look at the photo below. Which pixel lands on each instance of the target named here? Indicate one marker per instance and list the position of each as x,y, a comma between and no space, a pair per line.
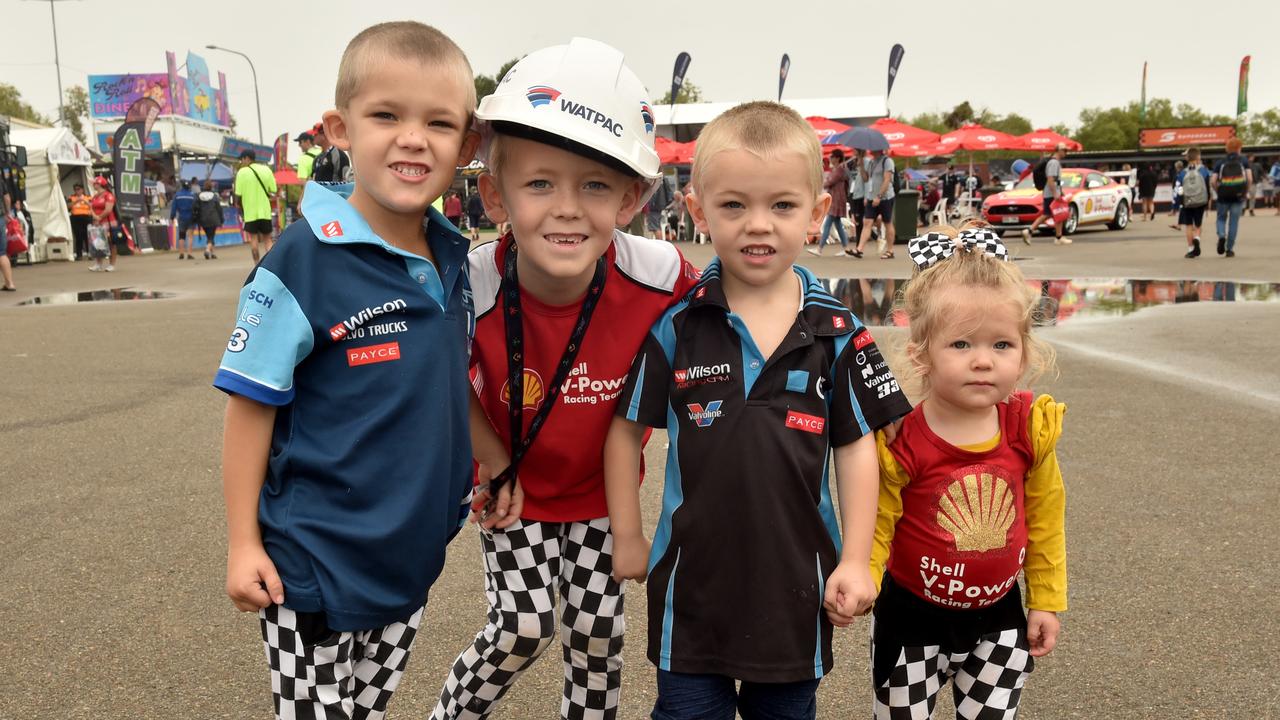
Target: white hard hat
581,97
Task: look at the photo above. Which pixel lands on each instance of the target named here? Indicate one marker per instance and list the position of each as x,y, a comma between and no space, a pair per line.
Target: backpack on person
1195,192
1231,180
1040,175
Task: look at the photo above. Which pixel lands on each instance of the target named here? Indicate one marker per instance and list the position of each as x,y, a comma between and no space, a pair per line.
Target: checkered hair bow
933,247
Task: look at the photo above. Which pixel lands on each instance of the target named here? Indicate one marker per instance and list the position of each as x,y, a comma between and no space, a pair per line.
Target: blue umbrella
862,138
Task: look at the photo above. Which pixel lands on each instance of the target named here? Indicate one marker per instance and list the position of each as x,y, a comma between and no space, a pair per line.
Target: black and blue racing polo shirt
364,350
748,532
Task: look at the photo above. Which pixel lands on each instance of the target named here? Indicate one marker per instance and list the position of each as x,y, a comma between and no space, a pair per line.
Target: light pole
256,101
57,62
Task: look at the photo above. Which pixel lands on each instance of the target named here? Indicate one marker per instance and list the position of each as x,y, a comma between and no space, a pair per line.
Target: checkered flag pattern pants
986,681
525,566
319,674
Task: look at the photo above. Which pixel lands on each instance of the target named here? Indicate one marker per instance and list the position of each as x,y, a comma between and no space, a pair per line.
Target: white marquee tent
56,160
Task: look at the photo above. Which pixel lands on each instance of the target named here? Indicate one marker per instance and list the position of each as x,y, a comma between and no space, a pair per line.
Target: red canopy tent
1045,140
977,137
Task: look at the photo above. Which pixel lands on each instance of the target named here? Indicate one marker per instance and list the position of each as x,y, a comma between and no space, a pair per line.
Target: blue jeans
826,230
1229,210
714,697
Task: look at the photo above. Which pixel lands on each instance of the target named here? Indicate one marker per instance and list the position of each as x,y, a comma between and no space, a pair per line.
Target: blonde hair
400,40
922,301
764,129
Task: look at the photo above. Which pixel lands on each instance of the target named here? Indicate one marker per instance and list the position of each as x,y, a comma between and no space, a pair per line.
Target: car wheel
1073,221
1121,220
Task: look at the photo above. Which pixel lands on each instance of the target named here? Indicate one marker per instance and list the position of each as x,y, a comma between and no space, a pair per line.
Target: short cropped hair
1193,154
402,40
1234,144
764,129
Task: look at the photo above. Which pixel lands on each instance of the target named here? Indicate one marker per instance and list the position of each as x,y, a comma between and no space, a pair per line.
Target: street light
256,101
57,62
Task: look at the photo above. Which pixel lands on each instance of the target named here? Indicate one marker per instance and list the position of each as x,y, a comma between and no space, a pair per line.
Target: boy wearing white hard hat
563,302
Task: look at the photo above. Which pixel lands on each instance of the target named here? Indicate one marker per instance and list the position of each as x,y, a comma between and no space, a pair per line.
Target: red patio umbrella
923,150
900,134
671,152
825,129
977,137
1045,140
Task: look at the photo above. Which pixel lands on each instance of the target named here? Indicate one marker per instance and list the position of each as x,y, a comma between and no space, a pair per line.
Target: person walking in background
103,206
453,208
254,187
1147,191
836,183
475,211
81,217
1251,198
208,213
180,214
878,174
1275,182
857,192
1232,179
332,165
1191,193
1052,192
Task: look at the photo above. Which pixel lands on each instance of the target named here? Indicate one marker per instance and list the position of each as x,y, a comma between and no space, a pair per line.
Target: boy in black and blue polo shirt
756,375
347,460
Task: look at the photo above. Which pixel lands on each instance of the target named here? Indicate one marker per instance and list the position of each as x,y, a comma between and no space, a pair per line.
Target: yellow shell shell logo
1088,205
533,390
978,511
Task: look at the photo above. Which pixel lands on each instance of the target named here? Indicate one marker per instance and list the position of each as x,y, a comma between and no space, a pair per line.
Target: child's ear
820,208
697,211
491,196
335,128
630,203
470,144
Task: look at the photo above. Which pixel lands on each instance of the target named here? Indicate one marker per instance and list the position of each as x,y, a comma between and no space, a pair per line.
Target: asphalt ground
111,525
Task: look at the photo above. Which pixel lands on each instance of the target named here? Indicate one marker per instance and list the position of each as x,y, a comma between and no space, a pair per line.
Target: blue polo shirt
364,350
748,532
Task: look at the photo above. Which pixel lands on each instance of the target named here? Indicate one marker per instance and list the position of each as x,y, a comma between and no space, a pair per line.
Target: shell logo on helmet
540,95
646,114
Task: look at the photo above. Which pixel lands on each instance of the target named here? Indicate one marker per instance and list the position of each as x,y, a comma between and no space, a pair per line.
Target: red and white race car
1089,197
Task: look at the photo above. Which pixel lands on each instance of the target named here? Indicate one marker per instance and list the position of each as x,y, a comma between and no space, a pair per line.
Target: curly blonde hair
923,302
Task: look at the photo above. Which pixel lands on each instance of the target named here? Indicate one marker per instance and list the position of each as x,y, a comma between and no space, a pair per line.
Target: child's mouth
566,239
410,170
758,251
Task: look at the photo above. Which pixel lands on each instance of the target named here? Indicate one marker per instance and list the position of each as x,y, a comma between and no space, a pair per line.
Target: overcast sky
1043,60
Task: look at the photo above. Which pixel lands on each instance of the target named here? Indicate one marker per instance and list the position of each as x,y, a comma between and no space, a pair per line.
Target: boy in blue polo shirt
346,461
756,374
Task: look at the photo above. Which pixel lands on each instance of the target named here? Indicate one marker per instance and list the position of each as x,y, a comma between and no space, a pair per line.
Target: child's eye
384,115
443,124
960,344
539,184
1003,345
595,186
732,205
784,205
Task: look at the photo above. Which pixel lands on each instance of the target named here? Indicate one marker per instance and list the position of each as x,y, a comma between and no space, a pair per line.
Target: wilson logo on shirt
704,415
701,375
808,423
331,229
370,354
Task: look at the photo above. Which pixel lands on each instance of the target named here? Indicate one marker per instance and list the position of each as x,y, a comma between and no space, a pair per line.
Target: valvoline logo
540,95
704,415
646,114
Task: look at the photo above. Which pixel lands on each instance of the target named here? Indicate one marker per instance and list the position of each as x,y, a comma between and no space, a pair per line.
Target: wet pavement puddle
112,295
872,299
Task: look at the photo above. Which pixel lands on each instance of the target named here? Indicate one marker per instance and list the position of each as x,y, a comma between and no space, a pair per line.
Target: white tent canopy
54,156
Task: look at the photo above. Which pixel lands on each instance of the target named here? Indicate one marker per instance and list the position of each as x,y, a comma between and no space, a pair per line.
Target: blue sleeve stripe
668,618
842,344
229,381
822,590
819,303
633,408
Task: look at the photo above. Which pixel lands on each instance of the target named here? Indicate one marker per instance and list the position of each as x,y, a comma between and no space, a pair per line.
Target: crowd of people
549,367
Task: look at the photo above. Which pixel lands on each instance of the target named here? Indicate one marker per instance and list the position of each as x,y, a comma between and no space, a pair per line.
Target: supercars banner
677,75
895,59
782,73
1242,92
1168,137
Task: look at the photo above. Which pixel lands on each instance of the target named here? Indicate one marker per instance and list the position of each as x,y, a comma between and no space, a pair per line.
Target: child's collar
333,220
821,312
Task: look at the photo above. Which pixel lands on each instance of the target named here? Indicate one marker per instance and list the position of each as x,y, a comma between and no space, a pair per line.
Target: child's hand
252,580
510,503
1042,631
850,593
630,557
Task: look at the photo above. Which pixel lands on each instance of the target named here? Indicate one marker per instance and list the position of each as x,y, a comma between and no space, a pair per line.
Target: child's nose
758,221
567,204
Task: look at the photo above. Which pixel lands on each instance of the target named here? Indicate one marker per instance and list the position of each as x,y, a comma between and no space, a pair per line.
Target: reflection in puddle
872,299
111,295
